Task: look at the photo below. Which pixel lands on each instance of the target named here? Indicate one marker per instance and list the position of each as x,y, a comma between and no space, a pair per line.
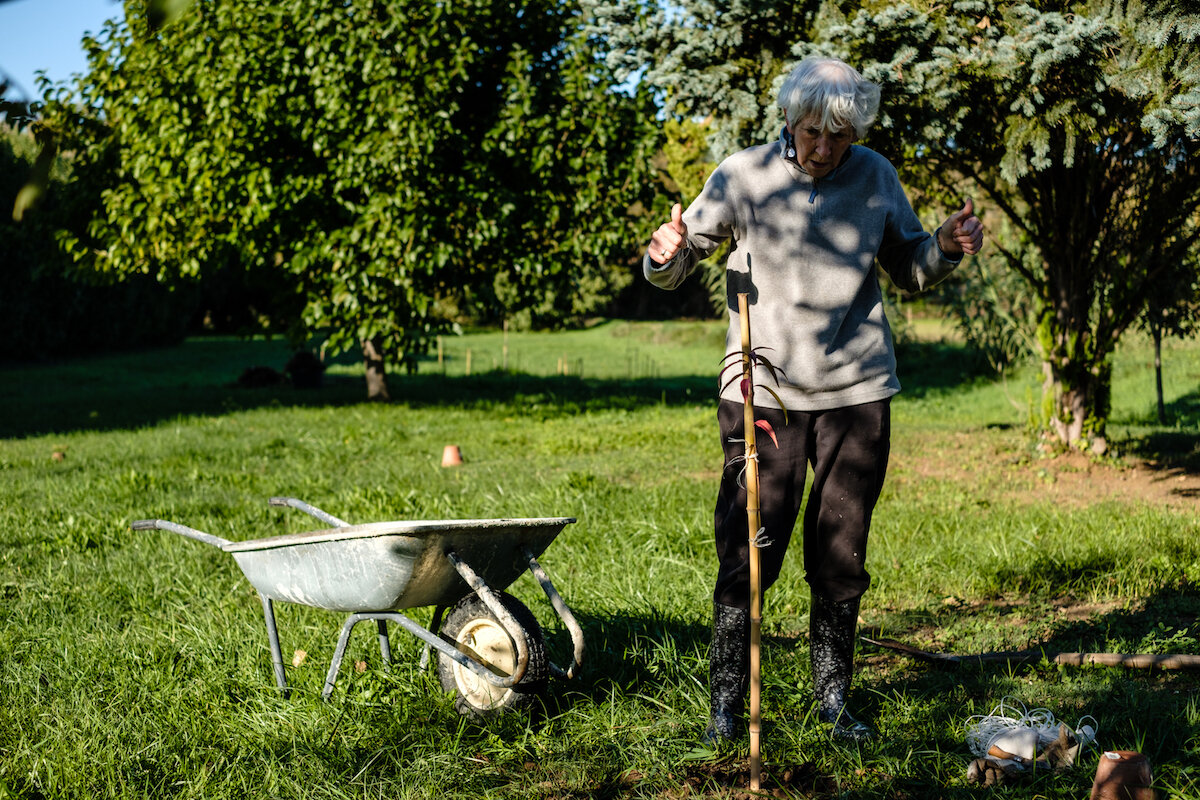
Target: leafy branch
751,359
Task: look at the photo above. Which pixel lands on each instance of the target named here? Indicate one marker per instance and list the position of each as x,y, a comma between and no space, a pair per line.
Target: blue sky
45,35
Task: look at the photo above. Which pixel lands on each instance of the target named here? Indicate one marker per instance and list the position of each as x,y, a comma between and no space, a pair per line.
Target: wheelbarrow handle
182,530
312,511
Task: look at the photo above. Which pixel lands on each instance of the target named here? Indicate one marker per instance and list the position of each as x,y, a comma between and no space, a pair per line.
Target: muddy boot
831,636
728,673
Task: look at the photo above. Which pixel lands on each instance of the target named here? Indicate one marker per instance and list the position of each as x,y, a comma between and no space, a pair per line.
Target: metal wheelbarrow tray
490,648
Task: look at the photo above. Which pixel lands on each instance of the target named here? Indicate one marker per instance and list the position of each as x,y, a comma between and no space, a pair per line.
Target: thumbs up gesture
670,238
962,232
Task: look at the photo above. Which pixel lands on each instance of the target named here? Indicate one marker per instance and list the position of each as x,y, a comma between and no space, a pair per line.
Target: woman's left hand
962,232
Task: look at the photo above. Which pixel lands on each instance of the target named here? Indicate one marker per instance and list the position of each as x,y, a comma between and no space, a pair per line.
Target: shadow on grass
632,653
113,408
1171,451
641,655
200,378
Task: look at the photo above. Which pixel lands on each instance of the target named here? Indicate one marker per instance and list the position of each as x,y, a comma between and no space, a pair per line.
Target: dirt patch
1079,480
999,465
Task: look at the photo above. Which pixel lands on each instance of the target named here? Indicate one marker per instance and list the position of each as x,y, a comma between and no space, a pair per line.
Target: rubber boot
728,673
831,631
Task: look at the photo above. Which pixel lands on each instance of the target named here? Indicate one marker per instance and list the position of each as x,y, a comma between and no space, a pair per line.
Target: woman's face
819,151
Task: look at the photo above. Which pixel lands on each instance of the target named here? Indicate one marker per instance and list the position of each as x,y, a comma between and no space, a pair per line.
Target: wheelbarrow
490,649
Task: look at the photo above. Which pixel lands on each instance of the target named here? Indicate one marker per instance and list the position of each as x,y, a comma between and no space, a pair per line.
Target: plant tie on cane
744,459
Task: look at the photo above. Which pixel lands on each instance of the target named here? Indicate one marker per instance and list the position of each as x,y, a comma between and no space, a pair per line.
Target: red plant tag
766,426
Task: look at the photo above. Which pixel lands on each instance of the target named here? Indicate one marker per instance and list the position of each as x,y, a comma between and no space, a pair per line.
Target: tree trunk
1156,329
1076,387
377,388
1078,414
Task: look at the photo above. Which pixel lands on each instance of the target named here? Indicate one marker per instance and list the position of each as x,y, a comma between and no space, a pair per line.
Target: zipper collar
787,151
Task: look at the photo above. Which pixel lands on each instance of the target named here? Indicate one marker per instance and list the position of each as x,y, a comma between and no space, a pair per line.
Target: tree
396,162
1172,309
1078,122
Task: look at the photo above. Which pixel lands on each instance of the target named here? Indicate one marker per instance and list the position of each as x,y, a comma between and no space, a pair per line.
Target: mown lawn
136,663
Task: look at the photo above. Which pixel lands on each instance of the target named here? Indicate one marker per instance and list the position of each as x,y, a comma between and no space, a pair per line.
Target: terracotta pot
1123,775
451,455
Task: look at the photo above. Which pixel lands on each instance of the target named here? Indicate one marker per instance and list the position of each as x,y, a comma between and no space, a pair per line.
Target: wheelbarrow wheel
478,633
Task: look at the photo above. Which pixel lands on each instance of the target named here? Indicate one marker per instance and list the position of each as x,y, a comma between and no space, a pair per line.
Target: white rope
741,478
760,539
1010,716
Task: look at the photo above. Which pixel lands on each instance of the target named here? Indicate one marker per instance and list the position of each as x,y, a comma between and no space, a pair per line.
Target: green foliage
707,58
386,163
47,314
994,309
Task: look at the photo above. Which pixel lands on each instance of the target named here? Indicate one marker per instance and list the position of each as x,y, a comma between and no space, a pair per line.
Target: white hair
832,91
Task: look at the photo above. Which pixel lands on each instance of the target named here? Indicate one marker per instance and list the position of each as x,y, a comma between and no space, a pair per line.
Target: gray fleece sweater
804,250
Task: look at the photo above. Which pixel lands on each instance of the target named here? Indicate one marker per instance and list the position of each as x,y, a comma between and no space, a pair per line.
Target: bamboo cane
752,515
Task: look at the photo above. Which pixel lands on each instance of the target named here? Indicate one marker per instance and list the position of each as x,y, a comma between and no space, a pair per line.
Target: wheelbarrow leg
385,648
435,625
336,663
273,637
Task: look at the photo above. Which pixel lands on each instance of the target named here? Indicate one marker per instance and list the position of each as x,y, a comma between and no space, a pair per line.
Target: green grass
136,664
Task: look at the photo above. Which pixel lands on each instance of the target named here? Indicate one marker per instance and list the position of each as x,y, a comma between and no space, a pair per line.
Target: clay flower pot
1123,775
451,456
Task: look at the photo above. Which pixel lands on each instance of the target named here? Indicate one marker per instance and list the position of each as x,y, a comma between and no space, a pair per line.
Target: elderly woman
809,216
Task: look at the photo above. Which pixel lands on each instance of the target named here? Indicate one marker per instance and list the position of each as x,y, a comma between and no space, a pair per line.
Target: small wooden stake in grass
752,514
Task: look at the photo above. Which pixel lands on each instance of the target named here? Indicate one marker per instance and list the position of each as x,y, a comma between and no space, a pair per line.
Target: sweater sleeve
910,256
709,221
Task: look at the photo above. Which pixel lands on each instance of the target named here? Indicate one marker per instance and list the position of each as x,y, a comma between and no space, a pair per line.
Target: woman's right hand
670,238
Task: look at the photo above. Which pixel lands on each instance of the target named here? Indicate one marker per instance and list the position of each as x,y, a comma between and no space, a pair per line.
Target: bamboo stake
753,523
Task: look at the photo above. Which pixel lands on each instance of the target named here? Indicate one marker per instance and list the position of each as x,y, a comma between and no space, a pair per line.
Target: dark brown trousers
847,449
